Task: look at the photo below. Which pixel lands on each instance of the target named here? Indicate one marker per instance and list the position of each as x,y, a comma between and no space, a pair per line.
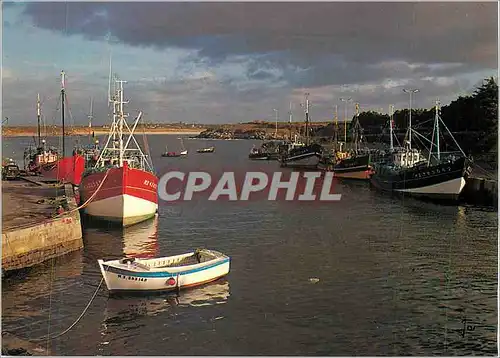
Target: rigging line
417,125
146,145
423,137
452,137
50,303
69,110
56,110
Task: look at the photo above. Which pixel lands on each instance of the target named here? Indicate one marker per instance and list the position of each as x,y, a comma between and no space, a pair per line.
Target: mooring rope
77,320
89,199
66,212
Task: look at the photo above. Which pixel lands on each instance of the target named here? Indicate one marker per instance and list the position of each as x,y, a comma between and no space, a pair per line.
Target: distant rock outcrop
223,133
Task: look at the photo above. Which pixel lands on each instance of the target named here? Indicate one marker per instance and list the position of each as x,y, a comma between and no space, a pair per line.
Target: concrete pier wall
35,243
480,191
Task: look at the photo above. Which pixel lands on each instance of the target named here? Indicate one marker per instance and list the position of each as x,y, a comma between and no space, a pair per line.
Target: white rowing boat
164,273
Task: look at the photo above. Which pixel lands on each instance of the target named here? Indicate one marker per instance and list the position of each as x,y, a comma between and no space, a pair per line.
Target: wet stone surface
25,203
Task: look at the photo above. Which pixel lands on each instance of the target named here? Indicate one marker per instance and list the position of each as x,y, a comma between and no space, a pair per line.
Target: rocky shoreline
221,133
84,131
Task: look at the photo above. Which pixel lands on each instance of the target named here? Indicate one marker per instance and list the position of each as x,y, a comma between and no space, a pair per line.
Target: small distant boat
206,150
170,154
164,273
184,150
176,154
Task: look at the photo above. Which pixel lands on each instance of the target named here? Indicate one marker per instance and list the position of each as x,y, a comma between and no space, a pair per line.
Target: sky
207,62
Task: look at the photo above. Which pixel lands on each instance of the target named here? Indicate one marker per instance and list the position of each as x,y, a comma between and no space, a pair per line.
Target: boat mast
276,130
336,127
121,119
345,117
391,121
290,120
90,117
307,118
411,92
437,130
356,129
62,112
38,115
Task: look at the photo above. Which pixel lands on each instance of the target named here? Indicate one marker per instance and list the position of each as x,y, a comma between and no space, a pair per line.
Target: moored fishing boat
305,157
352,164
41,154
91,150
438,177
302,155
66,169
267,151
164,273
122,186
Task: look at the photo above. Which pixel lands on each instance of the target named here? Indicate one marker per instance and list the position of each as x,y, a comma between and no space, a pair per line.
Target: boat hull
307,157
207,150
127,196
353,168
40,159
66,170
444,181
124,280
357,168
263,156
171,155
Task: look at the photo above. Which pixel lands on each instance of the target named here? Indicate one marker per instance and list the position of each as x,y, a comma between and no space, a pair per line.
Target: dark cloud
427,32
311,44
262,52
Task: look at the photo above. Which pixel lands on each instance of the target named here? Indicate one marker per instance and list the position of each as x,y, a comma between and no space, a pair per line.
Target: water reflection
141,240
53,278
124,307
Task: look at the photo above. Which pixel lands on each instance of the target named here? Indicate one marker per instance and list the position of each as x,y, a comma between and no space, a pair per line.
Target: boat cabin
406,158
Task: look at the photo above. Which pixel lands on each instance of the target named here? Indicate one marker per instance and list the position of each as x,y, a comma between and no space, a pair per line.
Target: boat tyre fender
197,255
127,260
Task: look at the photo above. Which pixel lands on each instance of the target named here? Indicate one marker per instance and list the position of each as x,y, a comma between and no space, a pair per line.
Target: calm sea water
396,277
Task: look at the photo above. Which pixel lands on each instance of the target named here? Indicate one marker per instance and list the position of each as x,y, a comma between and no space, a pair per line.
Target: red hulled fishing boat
122,186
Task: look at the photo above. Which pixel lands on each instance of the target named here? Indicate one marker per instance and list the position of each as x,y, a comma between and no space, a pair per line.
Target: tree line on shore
473,120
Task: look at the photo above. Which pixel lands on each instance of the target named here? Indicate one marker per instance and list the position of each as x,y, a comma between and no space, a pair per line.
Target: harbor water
368,275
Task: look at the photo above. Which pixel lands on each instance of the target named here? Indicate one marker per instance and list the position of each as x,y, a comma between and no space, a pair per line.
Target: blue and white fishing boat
164,273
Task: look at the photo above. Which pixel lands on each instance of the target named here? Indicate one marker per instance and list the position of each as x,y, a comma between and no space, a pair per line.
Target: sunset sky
233,62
